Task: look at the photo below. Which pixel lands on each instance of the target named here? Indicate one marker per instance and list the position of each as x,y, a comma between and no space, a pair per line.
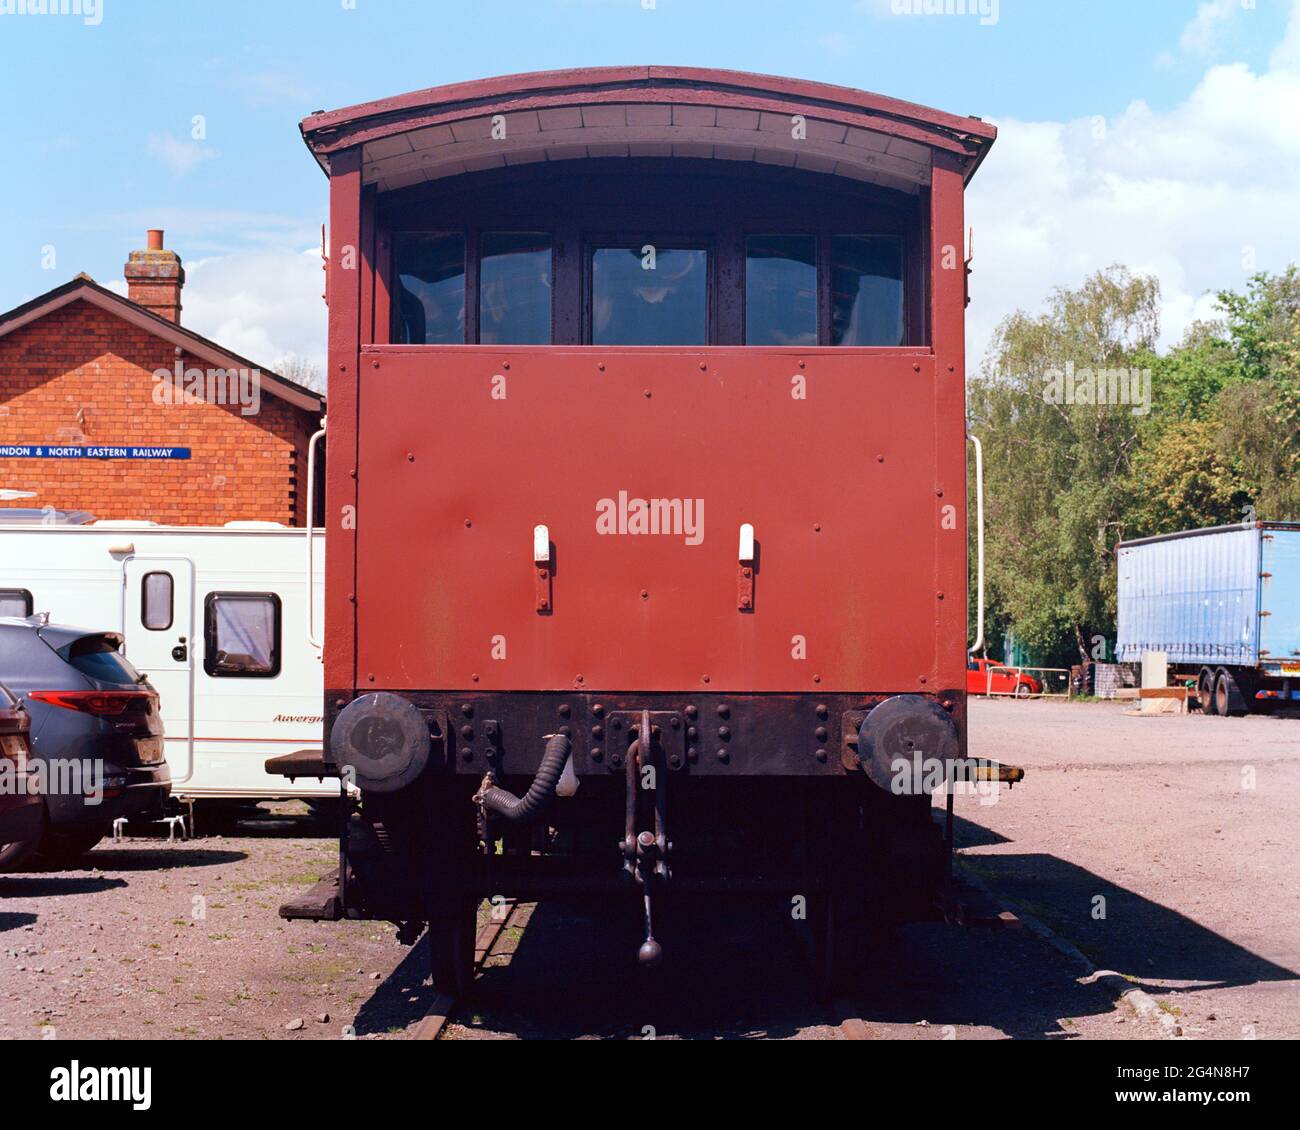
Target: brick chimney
154,278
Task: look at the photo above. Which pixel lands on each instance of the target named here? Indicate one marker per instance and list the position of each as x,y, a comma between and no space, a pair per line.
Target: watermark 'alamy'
90,11
55,776
677,517
987,10
1099,386
180,385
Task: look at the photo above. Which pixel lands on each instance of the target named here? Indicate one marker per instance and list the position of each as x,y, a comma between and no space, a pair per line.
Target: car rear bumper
129,792
20,818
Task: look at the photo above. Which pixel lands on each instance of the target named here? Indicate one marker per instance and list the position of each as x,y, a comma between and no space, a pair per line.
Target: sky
1160,134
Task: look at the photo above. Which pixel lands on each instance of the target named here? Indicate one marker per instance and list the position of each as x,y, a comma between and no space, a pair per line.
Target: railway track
433,1024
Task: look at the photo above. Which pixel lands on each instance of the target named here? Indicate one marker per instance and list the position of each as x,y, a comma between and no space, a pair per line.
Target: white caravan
217,617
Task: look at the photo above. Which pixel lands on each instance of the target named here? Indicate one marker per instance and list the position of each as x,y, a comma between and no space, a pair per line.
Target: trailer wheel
1205,692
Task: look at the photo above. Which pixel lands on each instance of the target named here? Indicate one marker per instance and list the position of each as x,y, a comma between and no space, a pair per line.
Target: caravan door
158,623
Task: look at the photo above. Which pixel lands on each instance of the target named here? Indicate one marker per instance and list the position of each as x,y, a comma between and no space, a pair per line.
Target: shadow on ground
1137,937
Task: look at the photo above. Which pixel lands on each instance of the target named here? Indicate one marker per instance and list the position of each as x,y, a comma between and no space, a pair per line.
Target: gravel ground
1188,827
159,940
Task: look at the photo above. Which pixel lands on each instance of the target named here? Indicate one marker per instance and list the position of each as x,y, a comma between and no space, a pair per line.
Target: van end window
15,602
649,295
241,635
780,290
866,290
156,592
514,288
429,306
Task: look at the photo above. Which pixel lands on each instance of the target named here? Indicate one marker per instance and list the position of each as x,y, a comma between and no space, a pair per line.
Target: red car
22,815
984,676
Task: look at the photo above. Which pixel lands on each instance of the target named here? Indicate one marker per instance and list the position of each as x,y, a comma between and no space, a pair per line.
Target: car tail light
103,704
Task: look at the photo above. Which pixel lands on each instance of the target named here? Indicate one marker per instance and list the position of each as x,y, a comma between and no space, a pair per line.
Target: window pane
430,306
242,634
780,290
98,658
156,601
866,290
649,296
15,602
514,287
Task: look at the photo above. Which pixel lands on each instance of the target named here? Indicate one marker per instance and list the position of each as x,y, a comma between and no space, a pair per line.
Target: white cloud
179,156
1201,195
263,303
1203,34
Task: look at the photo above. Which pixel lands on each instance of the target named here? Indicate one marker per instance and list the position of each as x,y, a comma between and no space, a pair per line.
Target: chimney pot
154,278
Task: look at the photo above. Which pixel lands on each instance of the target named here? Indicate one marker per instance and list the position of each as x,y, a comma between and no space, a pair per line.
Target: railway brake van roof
685,112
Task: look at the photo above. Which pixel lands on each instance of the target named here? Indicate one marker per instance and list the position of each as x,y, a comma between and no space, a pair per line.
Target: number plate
150,750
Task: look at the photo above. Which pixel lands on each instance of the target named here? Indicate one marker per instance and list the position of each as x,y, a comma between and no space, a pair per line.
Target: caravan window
15,602
241,635
156,590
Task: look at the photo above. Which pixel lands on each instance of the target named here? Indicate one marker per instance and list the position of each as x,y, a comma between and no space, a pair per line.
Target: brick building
109,405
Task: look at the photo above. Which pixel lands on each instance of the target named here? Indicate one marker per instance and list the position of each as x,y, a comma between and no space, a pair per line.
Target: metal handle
979,538
311,522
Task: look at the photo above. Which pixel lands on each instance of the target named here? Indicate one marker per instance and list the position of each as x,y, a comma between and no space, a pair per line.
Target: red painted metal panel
345,277
839,487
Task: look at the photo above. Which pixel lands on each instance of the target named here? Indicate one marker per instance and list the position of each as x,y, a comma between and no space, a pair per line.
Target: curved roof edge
453,114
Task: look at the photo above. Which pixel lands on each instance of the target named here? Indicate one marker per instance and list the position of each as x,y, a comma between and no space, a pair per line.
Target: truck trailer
1223,605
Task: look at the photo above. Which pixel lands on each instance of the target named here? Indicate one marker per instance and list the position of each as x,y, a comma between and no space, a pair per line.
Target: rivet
747,571
467,732
692,732
467,710
817,527
940,595
474,678
578,679
880,458
803,364
822,710
924,679
916,366
343,368
645,594
466,752
601,366
468,523
820,733
938,493
352,598
724,732
646,393
598,710
724,711
723,756
707,679
597,753
505,364
704,367
820,755
374,364
370,678
817,678
410,456
598,732
564,710
691,711
675,723
340,702
352,474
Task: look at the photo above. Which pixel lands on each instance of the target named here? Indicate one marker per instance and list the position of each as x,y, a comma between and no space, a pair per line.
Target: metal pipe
979,537
311,521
